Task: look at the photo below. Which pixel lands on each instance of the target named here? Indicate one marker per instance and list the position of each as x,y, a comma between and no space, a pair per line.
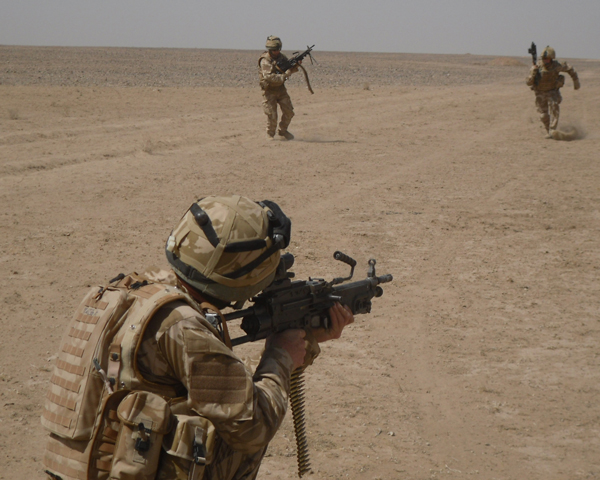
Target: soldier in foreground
272,82
146,384
545,80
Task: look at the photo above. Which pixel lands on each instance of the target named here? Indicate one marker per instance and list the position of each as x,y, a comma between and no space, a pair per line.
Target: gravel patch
161,67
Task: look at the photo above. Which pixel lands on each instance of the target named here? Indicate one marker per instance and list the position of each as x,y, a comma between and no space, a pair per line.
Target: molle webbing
86,460
107,326
75,388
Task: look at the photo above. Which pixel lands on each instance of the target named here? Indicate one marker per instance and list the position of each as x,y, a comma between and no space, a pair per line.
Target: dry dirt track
482,358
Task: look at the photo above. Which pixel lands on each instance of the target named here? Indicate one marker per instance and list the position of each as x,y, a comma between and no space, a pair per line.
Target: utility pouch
145,419
190,444
560,81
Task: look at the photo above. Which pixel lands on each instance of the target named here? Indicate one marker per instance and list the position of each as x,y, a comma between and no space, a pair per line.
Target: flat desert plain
482,358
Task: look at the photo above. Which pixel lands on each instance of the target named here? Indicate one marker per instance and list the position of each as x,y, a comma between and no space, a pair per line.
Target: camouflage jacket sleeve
269,75
565,67
245,409
531,77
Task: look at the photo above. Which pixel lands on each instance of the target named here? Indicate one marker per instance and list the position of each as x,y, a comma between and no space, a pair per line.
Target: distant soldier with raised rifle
545,80
274,68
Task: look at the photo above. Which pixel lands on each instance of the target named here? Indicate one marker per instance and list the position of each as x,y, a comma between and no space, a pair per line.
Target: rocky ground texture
481,359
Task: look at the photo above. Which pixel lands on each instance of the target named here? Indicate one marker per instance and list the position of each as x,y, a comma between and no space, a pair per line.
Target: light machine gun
283,65
286,64
304,304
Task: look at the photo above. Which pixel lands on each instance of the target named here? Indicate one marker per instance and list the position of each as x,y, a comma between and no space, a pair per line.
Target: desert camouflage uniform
245,409
547,89
272,83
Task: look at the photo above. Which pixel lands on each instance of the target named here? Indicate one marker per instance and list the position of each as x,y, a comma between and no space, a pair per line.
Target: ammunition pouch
189,446
145,419
560,81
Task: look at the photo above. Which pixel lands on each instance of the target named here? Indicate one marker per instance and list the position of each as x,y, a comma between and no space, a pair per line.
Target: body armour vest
549,77
95,371
264,84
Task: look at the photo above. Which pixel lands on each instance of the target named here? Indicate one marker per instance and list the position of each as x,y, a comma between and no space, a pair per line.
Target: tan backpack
96,425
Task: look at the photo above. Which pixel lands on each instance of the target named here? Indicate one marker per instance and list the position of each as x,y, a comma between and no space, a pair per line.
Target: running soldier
272,82
545,80
146,385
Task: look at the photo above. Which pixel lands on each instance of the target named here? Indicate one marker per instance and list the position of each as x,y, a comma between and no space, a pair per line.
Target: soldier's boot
546,122
269,136
285,134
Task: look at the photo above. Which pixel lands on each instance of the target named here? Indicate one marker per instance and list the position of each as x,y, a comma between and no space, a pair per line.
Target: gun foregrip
342,257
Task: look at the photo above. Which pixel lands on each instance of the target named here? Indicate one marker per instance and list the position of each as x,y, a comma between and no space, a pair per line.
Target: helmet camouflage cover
228,246
273,43
549,53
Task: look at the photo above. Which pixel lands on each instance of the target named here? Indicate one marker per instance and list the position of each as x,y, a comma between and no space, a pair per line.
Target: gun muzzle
385,278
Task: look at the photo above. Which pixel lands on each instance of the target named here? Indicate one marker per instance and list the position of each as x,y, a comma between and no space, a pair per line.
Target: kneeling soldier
146,385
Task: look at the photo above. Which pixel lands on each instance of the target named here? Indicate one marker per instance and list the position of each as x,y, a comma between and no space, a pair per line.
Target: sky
484,27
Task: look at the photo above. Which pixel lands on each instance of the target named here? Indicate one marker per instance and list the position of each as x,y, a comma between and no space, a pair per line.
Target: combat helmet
228,247
273,43
549,53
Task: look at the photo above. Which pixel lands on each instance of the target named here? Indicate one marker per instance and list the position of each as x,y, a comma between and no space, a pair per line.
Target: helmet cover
549,53
273,43
228,246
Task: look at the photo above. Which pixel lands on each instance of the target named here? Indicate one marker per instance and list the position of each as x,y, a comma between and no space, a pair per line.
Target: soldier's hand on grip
340,316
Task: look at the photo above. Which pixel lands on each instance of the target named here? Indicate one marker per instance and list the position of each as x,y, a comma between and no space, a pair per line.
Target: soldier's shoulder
156,274
177,317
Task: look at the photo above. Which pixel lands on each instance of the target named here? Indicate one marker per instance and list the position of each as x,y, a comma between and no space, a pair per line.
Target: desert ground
482,358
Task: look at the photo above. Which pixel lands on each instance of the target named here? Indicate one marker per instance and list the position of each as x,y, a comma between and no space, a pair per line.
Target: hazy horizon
495,28
315,51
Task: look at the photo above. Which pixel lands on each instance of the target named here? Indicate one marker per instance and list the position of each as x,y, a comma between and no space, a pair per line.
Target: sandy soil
481,360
